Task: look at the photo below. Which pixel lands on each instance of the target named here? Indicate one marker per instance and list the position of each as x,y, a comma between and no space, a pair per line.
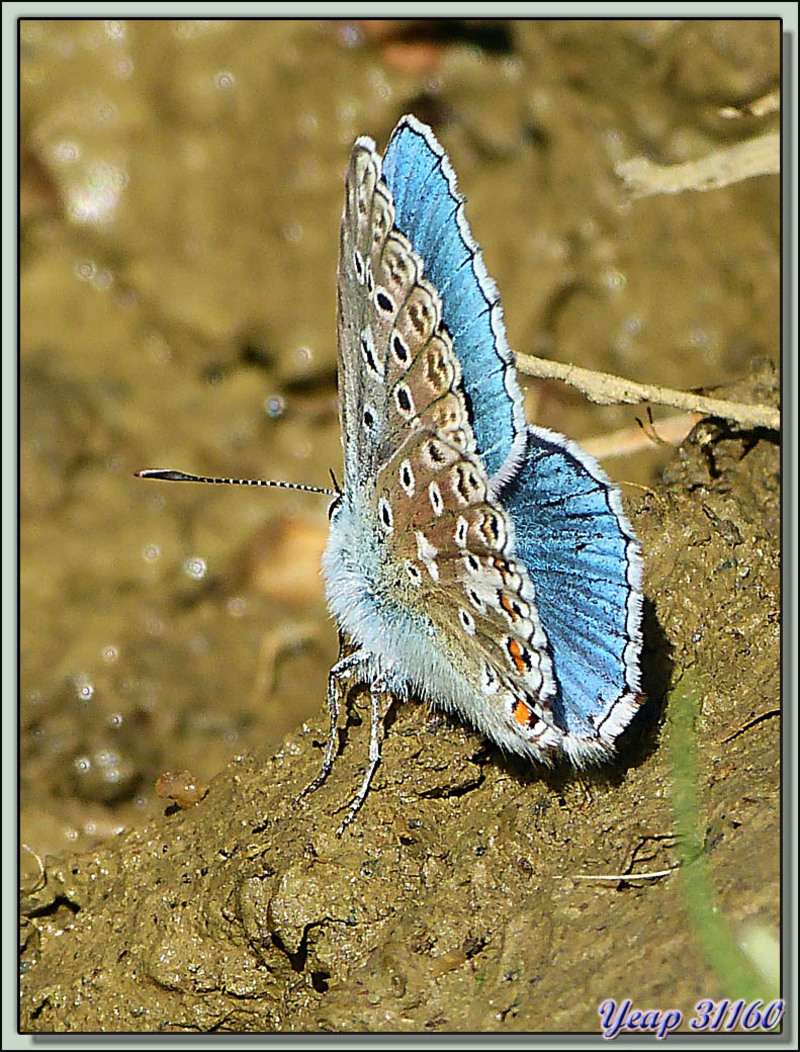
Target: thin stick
605,389
729,164
620,876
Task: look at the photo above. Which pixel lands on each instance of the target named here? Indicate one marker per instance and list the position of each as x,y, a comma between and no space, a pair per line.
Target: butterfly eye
334,508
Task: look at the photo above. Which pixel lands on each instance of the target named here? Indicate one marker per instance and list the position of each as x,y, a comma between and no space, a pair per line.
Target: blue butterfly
475,561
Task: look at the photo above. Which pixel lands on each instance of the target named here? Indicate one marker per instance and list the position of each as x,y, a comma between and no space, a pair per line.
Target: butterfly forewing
365,224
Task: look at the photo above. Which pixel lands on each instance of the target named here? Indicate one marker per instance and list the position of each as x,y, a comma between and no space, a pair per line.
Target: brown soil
181,188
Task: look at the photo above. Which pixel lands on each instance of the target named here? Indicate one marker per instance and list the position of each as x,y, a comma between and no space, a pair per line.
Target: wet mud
181,189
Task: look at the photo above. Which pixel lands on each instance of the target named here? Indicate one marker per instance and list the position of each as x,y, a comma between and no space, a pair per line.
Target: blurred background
181,186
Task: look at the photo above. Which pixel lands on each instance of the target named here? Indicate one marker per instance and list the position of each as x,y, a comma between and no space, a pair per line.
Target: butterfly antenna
170,475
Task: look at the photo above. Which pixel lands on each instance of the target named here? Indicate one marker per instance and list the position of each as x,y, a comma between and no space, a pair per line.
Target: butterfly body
480,563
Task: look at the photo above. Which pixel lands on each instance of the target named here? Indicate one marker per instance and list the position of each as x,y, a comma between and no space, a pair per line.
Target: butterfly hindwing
585,562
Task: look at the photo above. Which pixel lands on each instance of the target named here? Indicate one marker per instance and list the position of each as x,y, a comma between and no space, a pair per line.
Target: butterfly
475,561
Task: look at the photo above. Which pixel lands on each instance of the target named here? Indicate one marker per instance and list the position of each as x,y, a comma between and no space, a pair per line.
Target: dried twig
605,389
769,103
622,876
758,156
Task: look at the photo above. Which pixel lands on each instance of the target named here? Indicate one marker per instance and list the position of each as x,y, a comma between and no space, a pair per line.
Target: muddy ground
181,192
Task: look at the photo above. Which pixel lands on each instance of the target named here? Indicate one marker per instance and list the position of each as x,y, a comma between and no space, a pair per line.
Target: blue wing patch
429,210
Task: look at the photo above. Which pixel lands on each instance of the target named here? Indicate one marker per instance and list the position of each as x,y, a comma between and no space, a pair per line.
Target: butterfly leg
380,703
340,672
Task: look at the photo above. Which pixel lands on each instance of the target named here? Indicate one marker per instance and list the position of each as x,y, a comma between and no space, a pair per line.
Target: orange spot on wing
518,656
522,714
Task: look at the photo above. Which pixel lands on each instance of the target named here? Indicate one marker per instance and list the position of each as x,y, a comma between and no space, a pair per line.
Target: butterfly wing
361,388
429,210
456,518
571,532
575,540
386,317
